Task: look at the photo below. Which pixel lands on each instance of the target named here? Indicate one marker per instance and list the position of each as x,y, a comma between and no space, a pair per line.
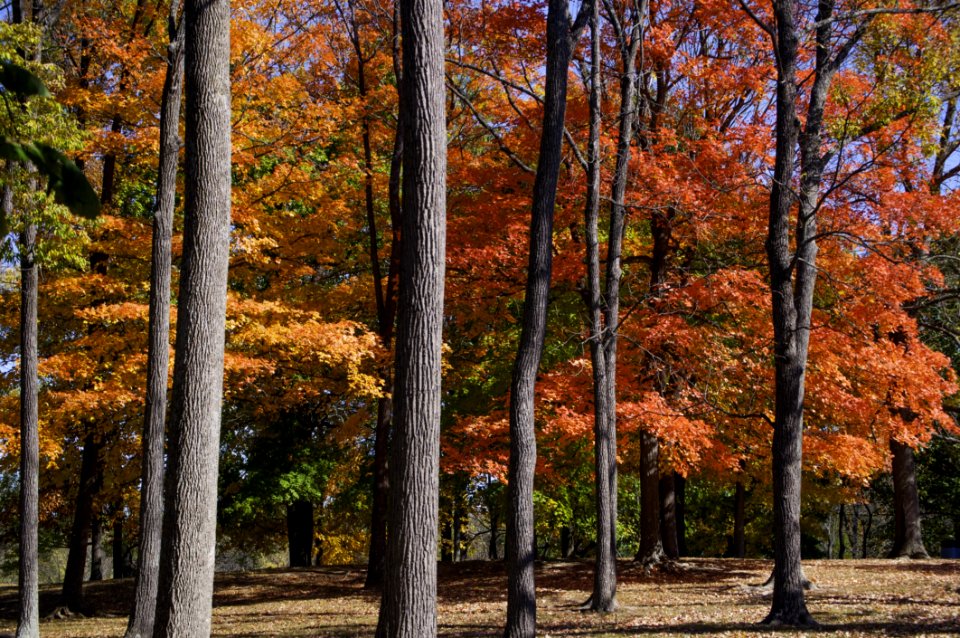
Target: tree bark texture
141,623
521,545
908,536
28,622
680,496
189,526
603,597
408,605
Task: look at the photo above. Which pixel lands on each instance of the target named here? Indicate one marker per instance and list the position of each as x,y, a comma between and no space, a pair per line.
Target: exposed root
63,613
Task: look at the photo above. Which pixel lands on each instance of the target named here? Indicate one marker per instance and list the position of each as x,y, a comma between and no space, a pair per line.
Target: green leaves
21,82
65,179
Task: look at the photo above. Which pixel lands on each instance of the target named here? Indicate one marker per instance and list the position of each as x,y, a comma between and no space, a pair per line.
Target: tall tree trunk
28,576
142,615
189,526
668,516
739,546
408,605
71,595
908,539
604,593
96,548
300,533
521,545
386,317
651,547
28,622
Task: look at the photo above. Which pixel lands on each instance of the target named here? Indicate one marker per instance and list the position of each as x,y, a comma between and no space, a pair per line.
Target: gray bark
408,604
521,546
189,526
142,614
603,597
792,281
651,547
28,622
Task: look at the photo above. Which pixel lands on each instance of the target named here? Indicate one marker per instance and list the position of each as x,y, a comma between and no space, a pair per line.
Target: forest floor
702,597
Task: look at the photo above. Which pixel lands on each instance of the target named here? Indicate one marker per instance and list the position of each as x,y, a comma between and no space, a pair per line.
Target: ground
703,597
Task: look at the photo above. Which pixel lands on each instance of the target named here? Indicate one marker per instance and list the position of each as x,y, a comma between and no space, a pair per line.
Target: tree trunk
651,547
680,488
141,623
189,526
866,532
300,533
96,549
120,567
71,595
908,539
493,547
841,523
668,516
604,593
521,545
739,548
28,622
28,578
408,605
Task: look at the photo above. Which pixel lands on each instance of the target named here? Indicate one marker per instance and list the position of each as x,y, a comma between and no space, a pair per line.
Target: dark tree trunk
668,516
121,568
386,317
300,533
28,622
493,547
651,547
96,549
866,532
108,183
71,595
408,605
908,537
604,593
521,545
841,523
680,490
739,546
446,545
189,526
141,623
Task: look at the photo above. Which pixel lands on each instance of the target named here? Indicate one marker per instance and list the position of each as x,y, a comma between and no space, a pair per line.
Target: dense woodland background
315,263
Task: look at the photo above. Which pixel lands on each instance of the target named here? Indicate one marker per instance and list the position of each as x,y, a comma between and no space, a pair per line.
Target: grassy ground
703,597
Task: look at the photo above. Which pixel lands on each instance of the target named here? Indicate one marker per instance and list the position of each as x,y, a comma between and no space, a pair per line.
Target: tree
187,552
158,354
408,605
562,34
